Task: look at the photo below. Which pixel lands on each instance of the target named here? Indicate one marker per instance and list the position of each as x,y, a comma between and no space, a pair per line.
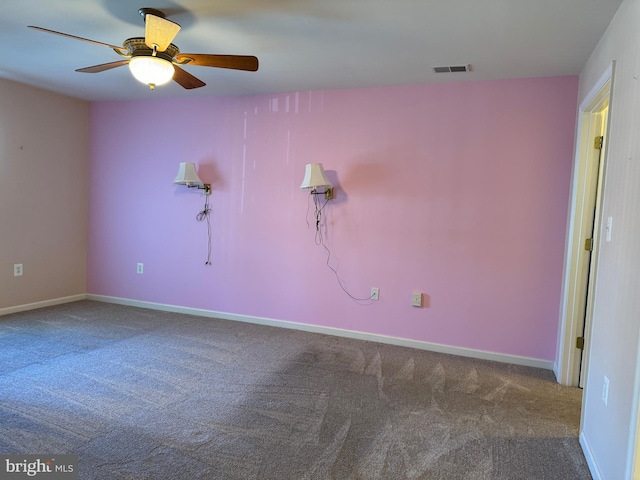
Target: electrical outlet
375,293
605,390
17,270
140,268
416,299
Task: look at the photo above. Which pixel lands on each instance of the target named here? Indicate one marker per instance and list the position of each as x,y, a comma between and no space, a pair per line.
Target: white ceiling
304,44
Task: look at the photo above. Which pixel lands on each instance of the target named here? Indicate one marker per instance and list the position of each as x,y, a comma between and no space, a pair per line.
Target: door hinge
588,244
598,142
580,343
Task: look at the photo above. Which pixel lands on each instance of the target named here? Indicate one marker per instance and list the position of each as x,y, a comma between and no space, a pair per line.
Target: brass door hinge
588,244
580,343
598,142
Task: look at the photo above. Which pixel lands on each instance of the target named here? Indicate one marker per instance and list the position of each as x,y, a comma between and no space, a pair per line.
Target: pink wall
459,191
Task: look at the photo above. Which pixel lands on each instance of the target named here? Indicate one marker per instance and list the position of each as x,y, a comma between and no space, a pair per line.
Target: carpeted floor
142,394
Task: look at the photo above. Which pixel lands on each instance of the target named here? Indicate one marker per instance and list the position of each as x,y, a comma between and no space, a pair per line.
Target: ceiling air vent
452,68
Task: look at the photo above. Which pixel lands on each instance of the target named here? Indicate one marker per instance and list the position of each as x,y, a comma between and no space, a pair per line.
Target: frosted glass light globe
151,71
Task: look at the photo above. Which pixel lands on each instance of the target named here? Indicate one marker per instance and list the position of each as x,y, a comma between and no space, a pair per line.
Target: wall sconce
314,179
188,176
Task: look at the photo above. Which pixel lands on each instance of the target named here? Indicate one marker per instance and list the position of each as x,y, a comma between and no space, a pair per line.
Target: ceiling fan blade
159,32
76,38
234,62
186,80
102,67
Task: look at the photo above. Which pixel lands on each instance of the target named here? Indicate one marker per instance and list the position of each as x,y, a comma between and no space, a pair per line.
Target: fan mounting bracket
137,48
151,11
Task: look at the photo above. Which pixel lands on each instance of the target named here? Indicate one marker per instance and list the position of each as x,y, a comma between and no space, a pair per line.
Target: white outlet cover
416,299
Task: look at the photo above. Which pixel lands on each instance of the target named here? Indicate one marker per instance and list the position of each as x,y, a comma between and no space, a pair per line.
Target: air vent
452,69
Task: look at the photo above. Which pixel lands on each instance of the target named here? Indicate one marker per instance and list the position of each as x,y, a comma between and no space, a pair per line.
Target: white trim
633,456
588,455
45,303
371,337
599,85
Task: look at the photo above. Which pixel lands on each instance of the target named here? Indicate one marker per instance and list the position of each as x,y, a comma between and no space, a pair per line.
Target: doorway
591,223
583,233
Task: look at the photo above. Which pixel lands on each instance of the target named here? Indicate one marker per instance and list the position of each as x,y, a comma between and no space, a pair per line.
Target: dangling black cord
206,214
318,214
320,241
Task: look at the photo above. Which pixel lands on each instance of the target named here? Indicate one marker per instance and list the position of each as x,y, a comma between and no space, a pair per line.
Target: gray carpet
142,394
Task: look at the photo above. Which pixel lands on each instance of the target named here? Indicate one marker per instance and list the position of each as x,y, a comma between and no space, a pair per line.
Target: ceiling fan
154,60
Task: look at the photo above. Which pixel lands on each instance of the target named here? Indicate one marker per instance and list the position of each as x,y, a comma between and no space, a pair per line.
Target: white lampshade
187,175
151,70
314,177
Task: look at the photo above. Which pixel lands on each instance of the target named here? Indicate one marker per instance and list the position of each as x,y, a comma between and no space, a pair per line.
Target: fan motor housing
138,48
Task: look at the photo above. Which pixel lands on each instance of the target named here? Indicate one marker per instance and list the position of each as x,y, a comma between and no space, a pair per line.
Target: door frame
574,292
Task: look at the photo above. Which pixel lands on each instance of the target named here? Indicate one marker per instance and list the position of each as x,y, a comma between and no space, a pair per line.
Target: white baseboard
588,454
45,303
371,337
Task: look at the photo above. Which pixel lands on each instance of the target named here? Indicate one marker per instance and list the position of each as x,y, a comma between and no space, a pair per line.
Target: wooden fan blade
186,80
102,67
159,32
76,38
234,62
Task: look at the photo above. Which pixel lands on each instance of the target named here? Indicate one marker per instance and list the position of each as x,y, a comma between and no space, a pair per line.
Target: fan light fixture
155,60
188,176
315,178
151,70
